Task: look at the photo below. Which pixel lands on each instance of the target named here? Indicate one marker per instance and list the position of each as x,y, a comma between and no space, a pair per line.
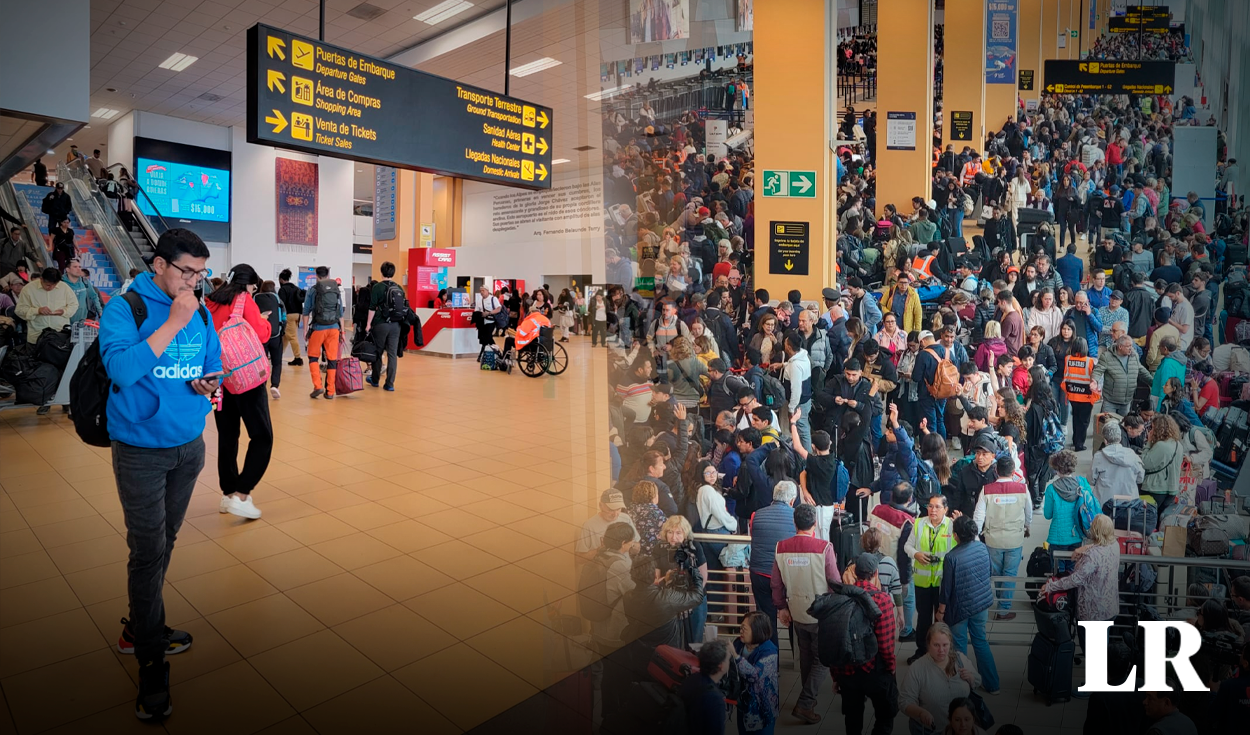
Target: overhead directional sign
798,184
1064,76
313,97
789,248
1147,19
961,125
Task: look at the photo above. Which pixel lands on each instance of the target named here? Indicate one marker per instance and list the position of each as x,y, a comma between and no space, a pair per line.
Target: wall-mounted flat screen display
188,186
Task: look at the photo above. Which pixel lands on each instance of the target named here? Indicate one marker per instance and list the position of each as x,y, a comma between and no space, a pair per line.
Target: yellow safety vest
936,541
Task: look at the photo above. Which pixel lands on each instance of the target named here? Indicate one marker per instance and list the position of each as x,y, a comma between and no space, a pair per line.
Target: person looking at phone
164,363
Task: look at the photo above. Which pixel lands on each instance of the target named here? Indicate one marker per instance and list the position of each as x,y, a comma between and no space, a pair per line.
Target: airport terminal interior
624,366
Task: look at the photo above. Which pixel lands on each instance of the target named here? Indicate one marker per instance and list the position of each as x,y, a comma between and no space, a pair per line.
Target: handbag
980,710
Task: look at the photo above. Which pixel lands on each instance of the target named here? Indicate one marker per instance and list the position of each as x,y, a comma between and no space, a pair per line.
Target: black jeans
252,408
274,348
155,487
926,609
386,338
1081,413
762,589
877,686
598,333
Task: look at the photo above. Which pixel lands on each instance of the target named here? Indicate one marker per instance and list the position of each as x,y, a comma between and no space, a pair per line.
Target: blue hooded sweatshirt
154,406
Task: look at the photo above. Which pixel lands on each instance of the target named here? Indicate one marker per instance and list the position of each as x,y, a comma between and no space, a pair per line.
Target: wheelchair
534,349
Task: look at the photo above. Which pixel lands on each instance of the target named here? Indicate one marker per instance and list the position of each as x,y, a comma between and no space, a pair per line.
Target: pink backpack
242,355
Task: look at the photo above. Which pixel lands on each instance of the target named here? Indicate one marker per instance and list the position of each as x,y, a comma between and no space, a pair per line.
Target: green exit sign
1072,34
796,184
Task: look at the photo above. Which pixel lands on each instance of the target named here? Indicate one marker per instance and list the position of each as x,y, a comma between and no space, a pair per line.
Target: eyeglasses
187,273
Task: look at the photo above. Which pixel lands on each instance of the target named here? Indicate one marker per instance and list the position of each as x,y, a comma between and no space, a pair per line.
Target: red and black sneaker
176,641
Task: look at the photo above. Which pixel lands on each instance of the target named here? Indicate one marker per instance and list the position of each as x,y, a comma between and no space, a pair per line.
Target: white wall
46,58
253,203
121,139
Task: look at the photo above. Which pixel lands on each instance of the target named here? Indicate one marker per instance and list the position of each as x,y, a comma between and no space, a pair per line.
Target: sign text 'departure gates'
1109,77
313,97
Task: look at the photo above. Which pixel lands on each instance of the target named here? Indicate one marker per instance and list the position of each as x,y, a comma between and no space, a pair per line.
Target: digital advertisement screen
187,185
184,191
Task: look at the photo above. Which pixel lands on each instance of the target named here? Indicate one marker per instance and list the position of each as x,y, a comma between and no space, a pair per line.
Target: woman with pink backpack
243,330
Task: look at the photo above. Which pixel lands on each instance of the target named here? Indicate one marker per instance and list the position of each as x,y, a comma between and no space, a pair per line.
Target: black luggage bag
1050,668
844,533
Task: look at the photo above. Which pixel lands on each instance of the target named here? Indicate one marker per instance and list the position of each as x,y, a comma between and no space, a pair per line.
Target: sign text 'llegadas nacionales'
317,98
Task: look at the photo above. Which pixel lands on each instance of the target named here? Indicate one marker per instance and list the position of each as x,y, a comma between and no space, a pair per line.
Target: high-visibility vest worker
1078,380
937,543
971,169
923,264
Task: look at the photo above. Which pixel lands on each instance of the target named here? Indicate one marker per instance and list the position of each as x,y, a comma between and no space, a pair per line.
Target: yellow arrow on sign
541,146
275,79
277,121
275,46
542,119
789,265
542,172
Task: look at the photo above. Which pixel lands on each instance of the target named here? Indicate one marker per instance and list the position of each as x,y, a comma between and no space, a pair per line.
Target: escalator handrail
26,214
91,216
151,205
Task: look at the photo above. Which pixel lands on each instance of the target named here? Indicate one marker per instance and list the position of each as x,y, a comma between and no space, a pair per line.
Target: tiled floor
401,575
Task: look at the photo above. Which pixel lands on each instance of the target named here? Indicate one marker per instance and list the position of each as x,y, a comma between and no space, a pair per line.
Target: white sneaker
242,508
224,506
275,393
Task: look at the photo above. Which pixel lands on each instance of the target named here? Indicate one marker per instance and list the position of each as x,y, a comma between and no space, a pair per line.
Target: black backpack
326,304
90,386
394,306
846,614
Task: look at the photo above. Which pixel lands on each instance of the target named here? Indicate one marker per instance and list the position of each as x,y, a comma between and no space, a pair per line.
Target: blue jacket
761,489
966,588
1072,269
154,406
898,465
769,526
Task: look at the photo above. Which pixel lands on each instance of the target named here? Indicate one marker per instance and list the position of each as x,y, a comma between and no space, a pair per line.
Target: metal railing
102,220
855,88
23,211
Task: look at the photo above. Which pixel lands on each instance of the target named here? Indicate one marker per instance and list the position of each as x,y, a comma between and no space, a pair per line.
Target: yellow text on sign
301,126
302,54
302,90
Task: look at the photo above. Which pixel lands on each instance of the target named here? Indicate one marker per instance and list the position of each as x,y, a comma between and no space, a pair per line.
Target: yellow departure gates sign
313,97
1063,76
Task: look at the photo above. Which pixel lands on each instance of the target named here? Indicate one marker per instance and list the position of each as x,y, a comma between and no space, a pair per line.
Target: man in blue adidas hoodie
156,413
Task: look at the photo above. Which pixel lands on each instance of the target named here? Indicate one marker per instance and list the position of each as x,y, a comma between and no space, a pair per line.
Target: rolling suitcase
1054,618
844,533
670,666
1050,668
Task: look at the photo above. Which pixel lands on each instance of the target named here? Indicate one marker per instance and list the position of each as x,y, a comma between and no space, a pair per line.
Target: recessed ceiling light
534,67
443,11
597,96
178,62
105,113
360,170
559,161
70,140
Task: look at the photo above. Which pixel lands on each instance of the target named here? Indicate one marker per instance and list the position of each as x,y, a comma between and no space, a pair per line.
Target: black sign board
1148,19
961,125
1024,82
789,248
313,97
1109,77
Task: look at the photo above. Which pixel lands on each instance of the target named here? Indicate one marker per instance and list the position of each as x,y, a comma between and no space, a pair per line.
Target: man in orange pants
323,310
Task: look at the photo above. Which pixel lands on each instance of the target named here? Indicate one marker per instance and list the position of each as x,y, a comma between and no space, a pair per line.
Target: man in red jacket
874,680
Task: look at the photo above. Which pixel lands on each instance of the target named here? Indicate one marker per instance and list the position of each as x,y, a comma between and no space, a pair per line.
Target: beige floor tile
458,559
42,515
67,691
26,568
409,536
263,624
200,709
414,505
367,516
107,615
355,551
528,649
99,584
276,512
537,502
215,525
546,528
72,532
376,489
521,590
315,529
357,711
101,471
420,461
557,565
457,522
332,499
36,600
507,544
338,599
257,543
224,588
296,725
295,568
196,559
454,494
18,481
452,680
118,720
314,669
394,636
47,640
104,502
498,511
19,542
403,577
57,491
12,520
461,610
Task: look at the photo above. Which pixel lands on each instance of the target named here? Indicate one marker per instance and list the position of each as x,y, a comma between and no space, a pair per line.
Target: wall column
1031,47
414,205
905,87
964,69
794,125
1050,29
1001,101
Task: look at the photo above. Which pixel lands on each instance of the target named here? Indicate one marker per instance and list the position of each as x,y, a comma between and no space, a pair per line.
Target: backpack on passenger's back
394,306
945,377
90,386
1052,433
774,393
594,602
326,303
839,611
1086,511
242,354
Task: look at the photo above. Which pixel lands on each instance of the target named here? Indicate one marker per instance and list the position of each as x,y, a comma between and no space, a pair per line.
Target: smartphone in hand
217,376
